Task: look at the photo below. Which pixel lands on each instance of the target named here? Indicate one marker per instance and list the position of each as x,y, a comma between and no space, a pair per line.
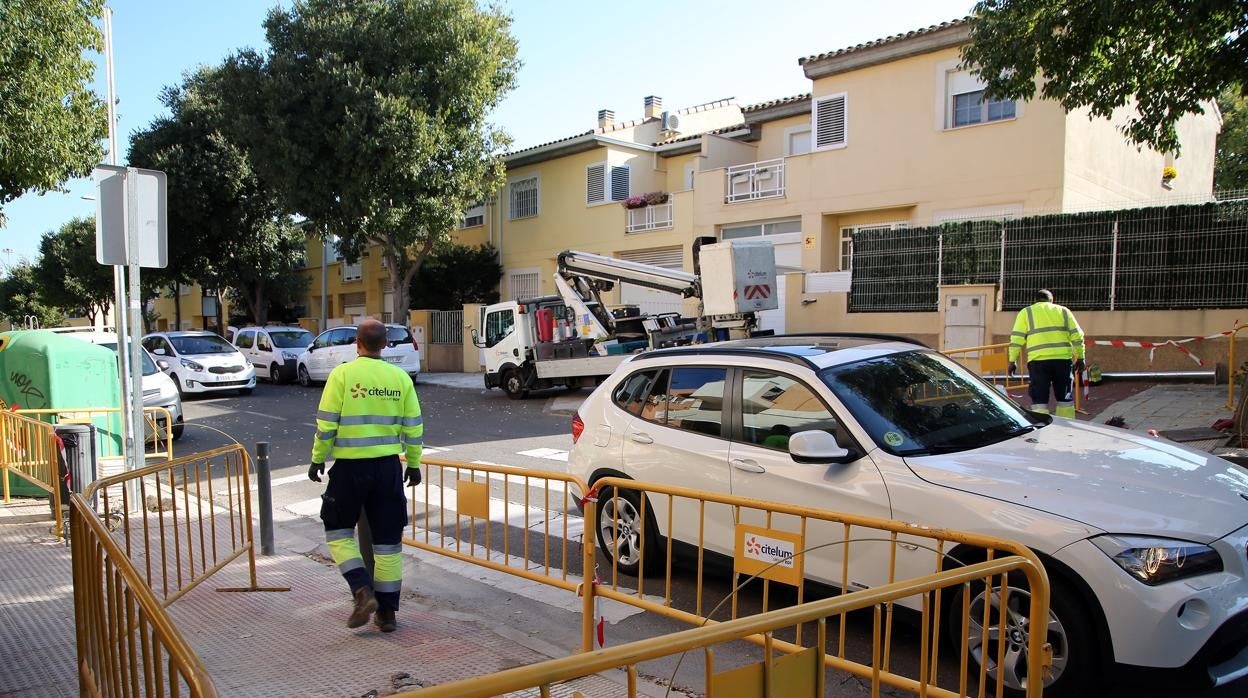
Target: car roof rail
712,350
882,336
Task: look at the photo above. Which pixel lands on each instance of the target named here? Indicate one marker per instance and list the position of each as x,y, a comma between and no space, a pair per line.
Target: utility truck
574,340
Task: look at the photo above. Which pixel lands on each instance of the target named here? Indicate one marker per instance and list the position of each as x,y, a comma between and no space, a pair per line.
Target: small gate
444,351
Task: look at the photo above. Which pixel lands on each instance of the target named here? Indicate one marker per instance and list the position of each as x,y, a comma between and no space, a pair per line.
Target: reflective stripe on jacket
1049,331
368,409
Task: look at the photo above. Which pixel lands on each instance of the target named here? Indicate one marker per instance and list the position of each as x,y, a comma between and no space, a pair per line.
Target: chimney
654,107
606,119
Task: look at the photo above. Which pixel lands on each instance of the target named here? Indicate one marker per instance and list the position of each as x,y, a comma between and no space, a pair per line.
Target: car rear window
397,335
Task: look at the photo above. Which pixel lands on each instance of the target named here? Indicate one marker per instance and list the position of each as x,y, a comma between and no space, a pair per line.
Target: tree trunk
259,304
220,314
177,307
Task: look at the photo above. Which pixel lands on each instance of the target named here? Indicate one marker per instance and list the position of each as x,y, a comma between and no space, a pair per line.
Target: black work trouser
1046,374
376,484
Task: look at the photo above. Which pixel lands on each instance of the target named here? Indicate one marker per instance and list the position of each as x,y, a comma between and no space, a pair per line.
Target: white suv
201,362
337,346
1144,540
274,350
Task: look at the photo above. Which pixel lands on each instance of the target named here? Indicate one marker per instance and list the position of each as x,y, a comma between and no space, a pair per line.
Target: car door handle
641,438
748,466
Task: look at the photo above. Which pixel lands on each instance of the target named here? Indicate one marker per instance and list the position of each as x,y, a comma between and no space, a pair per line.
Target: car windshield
921,403
202,344
291,339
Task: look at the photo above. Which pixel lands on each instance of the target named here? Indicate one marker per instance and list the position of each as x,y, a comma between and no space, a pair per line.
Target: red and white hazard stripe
1152,347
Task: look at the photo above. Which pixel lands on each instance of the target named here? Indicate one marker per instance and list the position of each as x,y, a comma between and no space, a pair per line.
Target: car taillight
578,426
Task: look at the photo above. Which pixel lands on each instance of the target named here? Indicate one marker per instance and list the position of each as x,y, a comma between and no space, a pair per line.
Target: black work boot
385,620
365,604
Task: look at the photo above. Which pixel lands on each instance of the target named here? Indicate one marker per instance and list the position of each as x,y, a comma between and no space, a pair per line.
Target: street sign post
131,231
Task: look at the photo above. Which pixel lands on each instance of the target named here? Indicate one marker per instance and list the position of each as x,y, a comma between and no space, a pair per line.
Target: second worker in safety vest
1054,345
368,415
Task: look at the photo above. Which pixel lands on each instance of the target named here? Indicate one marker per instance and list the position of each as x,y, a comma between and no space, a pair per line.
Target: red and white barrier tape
1152,347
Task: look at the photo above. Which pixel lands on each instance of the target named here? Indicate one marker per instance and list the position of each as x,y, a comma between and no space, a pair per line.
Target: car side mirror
820,448
311,348
162,365
159,350
476,339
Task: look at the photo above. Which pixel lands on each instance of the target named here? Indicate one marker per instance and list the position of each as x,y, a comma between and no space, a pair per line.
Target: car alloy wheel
621,535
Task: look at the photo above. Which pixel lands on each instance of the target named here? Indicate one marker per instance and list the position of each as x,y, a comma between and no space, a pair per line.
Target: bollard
264,492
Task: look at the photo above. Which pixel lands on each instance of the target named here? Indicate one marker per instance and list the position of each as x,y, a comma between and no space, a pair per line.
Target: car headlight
1156,561
187,363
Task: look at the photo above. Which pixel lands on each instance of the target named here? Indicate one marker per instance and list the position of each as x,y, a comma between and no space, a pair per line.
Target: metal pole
1113,269
324,285
264,496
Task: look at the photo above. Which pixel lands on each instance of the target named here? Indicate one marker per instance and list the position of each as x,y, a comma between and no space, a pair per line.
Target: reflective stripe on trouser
376,485
1065,409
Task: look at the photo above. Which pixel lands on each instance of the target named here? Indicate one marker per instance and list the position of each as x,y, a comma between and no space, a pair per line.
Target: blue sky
578,57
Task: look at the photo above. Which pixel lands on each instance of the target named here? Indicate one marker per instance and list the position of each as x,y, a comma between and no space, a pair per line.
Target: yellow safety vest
1049,331
368,409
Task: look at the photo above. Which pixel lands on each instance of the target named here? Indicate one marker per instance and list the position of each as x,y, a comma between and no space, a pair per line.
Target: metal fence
28,450
1160,258
446,327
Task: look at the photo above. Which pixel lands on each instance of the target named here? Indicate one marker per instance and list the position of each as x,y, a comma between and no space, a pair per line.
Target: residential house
195,305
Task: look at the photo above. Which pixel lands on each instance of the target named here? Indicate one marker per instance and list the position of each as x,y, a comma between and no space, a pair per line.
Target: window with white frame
770,228
829,116
606,182
184,289
473,217
523,195
797,140
332,253
966,104
524,283
847,239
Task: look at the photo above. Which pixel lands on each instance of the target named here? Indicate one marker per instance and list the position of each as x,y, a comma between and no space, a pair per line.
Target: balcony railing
756,180
652,217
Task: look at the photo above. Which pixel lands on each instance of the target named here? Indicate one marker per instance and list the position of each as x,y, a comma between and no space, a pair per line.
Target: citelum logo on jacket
359,391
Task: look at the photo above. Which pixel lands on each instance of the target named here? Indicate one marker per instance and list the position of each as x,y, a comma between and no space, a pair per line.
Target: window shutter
666,257
620,183
830,121
595,183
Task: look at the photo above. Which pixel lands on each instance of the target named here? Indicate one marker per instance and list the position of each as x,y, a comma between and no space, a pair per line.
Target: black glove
1013,368
1079,367
412,475
315,470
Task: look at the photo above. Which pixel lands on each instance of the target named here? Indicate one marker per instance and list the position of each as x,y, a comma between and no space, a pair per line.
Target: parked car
273,350
337,345
1144,540
200,362
158,389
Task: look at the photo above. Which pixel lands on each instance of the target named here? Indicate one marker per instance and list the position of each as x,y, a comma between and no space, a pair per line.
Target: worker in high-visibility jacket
1054,345
368,415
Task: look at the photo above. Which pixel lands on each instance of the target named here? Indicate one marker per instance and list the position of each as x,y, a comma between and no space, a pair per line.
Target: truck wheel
513,384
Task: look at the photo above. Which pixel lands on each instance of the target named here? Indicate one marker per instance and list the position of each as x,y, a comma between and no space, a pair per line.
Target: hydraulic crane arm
585,264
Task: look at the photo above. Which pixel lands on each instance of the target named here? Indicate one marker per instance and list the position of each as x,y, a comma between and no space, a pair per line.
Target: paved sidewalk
296,643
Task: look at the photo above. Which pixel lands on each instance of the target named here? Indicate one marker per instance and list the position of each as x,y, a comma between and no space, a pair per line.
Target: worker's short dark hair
1044,294
372,335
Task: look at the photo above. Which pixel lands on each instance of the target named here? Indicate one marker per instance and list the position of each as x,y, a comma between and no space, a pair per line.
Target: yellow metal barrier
127,643
883,551
452,514
28,450
174,526
158,429
802,673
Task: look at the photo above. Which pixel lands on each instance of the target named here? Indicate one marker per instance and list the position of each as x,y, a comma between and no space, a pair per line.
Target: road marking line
261,414
287,480
547,453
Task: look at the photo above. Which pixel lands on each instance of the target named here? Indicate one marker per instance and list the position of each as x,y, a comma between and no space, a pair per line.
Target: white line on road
261,414
547,453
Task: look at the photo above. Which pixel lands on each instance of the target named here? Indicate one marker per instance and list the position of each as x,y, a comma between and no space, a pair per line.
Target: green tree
51,123
1231,162
1163,58
456,275
226,229
373,119
20,299
68,274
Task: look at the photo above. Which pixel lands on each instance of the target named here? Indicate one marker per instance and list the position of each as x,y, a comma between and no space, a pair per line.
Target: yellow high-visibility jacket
368,409
1049,331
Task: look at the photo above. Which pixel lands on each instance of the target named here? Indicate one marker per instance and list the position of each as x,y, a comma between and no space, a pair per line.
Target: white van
273,350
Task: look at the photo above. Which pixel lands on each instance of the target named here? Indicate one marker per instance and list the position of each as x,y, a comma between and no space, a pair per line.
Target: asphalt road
478,425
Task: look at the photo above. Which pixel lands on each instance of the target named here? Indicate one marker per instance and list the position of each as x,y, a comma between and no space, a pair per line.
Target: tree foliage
20,299
456,275
68,274
1163,58
51,123
373,122
1231,161
226,227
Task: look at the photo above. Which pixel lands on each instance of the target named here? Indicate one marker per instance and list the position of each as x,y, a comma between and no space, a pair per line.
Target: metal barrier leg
264,495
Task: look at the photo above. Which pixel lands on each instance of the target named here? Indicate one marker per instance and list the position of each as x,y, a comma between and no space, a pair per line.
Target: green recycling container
47,370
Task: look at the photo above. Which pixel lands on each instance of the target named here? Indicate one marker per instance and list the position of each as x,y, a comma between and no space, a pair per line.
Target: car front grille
225,384
225,369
